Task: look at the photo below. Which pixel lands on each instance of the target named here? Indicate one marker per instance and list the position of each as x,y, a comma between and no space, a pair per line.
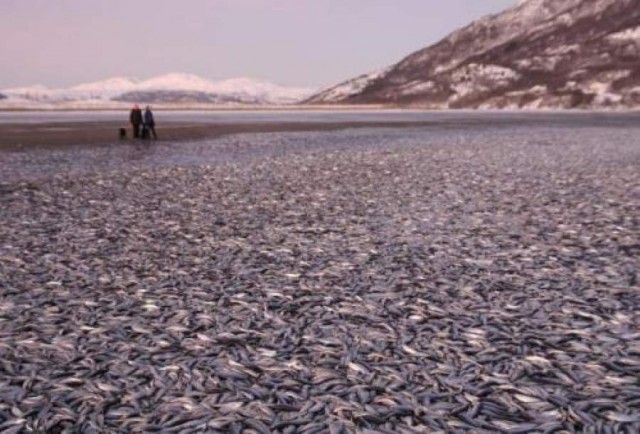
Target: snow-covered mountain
237,90
539,53
104,89
183,89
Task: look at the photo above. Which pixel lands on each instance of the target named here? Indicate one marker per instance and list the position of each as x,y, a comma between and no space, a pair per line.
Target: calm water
581,131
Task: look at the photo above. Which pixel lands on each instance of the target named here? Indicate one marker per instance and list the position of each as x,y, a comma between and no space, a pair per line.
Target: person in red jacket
136,120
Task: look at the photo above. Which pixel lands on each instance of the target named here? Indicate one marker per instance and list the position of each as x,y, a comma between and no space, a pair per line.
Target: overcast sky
291,42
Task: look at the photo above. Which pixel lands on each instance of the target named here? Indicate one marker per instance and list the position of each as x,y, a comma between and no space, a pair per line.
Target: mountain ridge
173,87
536,54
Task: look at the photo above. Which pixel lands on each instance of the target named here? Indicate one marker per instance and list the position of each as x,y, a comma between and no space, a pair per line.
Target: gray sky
291,42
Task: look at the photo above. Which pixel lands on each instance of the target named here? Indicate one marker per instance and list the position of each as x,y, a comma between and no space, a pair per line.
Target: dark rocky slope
540,53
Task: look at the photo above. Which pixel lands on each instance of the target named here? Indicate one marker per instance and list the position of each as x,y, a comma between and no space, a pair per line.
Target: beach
61,135
298,278
61,129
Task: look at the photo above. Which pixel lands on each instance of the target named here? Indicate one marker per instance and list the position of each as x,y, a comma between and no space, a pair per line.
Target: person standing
136,120
149,122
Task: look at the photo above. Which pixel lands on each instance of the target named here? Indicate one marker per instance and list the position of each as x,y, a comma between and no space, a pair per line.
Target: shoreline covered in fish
435,286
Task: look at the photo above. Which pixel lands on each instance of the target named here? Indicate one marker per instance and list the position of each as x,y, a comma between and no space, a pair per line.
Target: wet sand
60,135
57,134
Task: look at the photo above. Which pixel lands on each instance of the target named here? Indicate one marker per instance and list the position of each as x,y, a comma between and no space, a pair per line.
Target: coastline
49,133
19,136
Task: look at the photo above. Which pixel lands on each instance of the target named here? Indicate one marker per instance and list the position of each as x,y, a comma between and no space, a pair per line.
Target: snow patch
523,63
478,78
442,68
540,89
629,35
492,76
611,76
603,94
475,71
416,87
535,104
563,50
539,63
570,86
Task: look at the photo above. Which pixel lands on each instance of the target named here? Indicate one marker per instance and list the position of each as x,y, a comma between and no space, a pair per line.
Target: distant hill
170,88
537,54
183,97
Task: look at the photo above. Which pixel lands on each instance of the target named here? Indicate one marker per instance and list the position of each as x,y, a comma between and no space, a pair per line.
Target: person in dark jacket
149,122
136,120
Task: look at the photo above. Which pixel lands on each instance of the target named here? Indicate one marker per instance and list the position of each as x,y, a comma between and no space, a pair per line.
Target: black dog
123,133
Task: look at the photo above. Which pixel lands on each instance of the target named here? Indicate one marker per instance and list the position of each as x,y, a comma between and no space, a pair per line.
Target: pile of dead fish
449,287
